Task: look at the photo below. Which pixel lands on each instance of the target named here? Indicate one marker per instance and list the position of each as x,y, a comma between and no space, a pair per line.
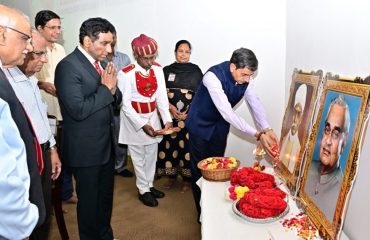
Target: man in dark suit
15,36
86,94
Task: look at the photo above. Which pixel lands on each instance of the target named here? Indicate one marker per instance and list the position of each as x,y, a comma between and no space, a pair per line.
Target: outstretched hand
168,125
269,142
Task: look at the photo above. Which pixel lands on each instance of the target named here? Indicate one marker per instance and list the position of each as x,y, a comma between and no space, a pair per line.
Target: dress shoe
125,173
72,200
148,199
156,193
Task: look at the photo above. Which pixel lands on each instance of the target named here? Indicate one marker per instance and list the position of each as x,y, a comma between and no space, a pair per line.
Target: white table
219,222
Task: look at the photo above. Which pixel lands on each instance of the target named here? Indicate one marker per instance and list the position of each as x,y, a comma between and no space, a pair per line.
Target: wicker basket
217,175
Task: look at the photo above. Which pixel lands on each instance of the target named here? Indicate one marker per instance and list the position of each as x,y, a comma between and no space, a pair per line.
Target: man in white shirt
19,216
211,112
144,98
48,24
24,84
21,201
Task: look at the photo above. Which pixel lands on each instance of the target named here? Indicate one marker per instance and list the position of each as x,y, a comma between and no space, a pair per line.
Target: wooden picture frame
336,142
297,122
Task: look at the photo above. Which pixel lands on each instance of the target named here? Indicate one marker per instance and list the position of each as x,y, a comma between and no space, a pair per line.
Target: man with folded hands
144,95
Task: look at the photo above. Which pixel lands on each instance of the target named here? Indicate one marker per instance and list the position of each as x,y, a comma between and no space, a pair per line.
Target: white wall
333,35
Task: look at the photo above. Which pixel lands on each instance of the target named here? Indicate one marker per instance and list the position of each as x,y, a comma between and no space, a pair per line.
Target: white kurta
131,132
47,74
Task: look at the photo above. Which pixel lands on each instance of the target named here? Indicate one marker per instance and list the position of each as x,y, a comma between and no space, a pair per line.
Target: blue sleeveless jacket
204,120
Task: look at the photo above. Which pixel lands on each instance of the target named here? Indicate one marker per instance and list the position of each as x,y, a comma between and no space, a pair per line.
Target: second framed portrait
297,121
332,153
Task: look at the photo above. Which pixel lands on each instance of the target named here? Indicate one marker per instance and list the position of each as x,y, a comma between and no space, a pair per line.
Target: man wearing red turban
144,96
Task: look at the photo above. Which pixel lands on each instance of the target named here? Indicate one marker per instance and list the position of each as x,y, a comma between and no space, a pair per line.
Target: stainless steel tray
258,220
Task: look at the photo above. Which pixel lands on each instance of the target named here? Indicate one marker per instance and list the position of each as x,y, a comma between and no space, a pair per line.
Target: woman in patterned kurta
182,80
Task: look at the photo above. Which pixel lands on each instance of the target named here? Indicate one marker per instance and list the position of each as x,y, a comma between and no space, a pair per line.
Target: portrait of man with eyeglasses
326,174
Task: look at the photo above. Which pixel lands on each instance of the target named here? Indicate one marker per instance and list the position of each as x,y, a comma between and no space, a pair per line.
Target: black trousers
199,150
94,188
42,232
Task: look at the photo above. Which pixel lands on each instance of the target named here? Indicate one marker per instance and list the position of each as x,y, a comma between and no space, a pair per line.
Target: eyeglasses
27,38
335,134
53,28
248,76
40,53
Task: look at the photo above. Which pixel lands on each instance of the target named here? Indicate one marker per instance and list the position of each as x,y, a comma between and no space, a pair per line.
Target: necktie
38,151
97,67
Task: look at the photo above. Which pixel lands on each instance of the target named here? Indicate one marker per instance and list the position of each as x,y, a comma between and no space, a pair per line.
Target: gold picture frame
298,119
332,153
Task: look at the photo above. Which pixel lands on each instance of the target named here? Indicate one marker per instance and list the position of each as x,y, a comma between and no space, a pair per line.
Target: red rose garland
264,199
252,178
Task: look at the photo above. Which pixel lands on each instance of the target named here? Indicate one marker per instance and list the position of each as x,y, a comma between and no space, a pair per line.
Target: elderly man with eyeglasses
325,176
22,204
144,98
24,84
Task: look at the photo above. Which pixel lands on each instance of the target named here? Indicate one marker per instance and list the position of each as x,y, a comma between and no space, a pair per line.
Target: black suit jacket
36,195
86,107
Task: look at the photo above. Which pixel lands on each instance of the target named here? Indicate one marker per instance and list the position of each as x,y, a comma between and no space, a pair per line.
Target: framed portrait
332,153
298,119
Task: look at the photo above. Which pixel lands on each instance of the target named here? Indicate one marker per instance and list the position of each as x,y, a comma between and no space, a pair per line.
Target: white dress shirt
222,104
29,95
18,215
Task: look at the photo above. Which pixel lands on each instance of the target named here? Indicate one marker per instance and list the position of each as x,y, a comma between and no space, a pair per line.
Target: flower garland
257,192
252,178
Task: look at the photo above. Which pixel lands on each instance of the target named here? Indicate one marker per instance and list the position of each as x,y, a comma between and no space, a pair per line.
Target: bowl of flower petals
264,201
218,168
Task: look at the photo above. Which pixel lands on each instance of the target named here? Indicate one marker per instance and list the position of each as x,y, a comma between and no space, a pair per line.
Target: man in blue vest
211,111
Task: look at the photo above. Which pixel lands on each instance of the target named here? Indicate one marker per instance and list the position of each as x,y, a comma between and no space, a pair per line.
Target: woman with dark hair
182,80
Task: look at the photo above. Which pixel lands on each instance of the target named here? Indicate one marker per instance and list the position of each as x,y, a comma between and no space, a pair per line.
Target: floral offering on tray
265,203
262,199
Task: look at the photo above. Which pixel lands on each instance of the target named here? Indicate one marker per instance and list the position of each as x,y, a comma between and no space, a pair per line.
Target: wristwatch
53,148
267,130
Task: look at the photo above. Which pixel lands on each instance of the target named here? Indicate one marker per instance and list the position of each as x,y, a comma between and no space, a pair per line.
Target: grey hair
340,100
6,20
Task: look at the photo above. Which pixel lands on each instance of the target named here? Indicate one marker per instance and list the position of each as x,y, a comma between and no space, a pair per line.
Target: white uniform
142,147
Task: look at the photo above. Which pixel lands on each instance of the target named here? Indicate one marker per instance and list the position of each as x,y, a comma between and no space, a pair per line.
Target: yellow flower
232,159
240,191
